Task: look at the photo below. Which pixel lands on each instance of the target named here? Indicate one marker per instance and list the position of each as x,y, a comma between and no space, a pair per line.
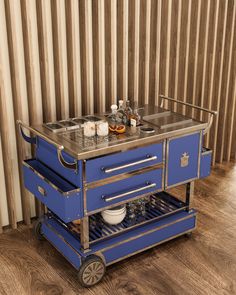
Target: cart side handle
212,113
59,148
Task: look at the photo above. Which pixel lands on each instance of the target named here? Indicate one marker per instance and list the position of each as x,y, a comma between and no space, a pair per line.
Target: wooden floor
202,264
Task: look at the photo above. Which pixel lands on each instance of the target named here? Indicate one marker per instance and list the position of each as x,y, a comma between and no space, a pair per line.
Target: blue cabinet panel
205,165
47,154
67,207
95,168
183,159
95,197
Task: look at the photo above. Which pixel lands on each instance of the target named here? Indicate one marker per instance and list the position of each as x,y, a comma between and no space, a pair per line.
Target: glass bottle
113,115
121,113
135,117
128,111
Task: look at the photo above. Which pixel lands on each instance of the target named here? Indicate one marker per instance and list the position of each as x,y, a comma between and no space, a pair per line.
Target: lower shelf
162,205
120,246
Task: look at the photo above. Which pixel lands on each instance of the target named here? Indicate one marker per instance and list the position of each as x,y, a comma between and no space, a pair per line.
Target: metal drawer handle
148,159
42,191
109,199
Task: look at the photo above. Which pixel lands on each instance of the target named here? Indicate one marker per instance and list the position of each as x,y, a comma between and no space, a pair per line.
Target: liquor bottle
128,111
135,117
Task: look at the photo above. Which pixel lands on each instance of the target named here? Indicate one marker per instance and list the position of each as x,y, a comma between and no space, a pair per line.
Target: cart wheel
38,230
92,271
188,235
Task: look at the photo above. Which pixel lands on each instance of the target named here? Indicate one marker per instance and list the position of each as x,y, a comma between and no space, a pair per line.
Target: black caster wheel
92,271
37,230
188,235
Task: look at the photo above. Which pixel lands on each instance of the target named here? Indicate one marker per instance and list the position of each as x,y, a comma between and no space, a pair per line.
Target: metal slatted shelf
164,205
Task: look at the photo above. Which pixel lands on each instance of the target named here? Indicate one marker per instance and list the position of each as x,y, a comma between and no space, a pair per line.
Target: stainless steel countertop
165,123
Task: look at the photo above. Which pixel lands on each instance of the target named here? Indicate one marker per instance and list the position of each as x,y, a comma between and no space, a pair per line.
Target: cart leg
189,194
84,233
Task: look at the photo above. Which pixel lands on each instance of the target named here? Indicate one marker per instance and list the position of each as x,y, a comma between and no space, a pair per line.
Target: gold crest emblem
184,161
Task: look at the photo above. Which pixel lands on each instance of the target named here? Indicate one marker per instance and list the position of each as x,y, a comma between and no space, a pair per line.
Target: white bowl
115,215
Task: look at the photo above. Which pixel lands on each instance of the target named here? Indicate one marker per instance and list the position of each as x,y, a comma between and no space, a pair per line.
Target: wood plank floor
205,263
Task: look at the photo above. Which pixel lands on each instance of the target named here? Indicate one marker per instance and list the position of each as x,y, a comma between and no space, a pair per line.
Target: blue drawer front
205,165
61,245
95,196
47,154
67,208
183,159
149,239
95,168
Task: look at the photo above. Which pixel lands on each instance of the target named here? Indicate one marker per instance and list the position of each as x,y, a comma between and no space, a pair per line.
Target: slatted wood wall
62,58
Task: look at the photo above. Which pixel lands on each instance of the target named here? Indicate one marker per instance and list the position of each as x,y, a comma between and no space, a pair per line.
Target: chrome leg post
84,233
189,194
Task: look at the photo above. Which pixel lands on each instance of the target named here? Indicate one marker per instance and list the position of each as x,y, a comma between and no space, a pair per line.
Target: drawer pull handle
42,191
148,159
147,186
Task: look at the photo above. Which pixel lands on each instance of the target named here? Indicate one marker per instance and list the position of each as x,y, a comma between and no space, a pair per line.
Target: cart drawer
183,158
123,162
60,196
205,165
123,190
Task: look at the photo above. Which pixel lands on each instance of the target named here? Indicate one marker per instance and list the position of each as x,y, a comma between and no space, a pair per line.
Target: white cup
89,129
102,128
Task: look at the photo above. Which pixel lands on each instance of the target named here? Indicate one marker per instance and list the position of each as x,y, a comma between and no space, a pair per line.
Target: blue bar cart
79,178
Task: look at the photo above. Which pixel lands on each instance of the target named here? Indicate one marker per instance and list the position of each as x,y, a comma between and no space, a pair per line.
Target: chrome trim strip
151,246
164,164
84,186
65,194
199,154
148,232
122,176
109,199
148,159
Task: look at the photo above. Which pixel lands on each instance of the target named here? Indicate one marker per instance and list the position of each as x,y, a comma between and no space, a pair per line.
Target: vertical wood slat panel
9,151
158,46
101,56
4,218
224,126
86,47
31,47
20,102
46,60
216,21
79,57
60,53
186,64
219,85
73,55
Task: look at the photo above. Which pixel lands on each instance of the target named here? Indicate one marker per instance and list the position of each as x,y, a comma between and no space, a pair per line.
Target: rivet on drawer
42,191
